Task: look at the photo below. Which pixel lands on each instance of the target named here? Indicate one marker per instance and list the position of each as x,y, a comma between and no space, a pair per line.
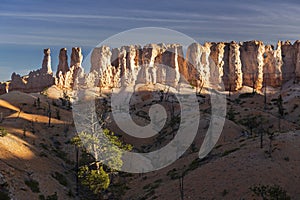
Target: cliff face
297,59
63,65
234,64
217,53
289,61
272,69
252,63
65,76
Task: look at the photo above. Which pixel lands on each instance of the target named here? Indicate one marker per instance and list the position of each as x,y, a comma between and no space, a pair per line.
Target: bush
270,192
4,196
3,132
33,185
60,178
246,95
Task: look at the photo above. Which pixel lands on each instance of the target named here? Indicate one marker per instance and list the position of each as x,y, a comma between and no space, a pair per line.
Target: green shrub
3,132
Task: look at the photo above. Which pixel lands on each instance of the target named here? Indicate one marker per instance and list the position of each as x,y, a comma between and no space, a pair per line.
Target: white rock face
235,67
101,67
66,77
252,63
148,73
272,66
198,63
100,59
216,63
233,64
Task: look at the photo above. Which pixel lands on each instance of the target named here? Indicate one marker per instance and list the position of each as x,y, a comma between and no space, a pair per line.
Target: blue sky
29,26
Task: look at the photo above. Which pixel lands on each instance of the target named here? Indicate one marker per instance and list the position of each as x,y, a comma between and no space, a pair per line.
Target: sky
29,26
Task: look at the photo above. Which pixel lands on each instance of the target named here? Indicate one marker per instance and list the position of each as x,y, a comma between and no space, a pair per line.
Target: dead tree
271,139
280,111
181,178
265,93
38,102
49,115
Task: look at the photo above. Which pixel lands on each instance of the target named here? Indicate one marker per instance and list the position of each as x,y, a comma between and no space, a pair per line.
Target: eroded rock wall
233,65
66,76
272,66
252,63
288,55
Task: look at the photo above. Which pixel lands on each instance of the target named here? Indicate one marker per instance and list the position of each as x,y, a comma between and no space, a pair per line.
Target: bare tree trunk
261,139
181,187
271,137
265,97
77,171
49,115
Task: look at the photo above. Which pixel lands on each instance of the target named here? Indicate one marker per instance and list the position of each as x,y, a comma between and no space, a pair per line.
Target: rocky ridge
232,64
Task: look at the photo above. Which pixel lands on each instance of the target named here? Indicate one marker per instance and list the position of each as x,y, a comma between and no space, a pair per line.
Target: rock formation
232,76
198,63
272,66
232,64
63,66
35,81
46,65
297,60
235,64
216,63
2,88
65,76
101,72
289,59
252,63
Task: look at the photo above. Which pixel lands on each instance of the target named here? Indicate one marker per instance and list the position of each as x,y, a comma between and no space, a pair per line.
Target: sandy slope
34,156
235,164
